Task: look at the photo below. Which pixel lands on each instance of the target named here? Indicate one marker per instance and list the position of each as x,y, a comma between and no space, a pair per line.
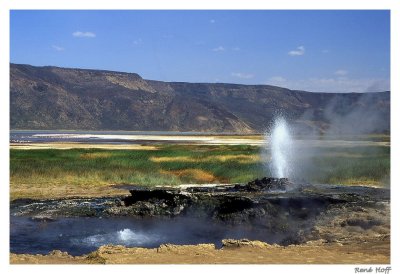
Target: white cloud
235,48
86,34
298,51
220,48
341,72
242,75
138,41
325,51
57,48
212,21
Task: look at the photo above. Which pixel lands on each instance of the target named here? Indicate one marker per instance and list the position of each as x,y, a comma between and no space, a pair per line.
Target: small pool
79,235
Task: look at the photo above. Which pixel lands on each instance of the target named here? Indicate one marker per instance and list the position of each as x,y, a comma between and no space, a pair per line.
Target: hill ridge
52,97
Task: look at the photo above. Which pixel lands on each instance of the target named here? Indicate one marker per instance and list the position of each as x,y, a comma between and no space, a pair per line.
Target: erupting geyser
281,143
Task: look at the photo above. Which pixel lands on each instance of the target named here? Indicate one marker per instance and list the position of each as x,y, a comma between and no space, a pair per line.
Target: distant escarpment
64,98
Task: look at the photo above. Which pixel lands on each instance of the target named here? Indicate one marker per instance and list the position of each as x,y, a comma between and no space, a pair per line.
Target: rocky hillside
63,98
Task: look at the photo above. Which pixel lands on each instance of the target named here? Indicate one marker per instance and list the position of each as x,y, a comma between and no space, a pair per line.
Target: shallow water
80,236
108,137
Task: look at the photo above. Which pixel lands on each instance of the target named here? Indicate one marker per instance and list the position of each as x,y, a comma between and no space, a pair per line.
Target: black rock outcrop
292,213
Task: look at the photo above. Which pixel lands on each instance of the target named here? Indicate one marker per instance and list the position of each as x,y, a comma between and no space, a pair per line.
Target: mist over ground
341,135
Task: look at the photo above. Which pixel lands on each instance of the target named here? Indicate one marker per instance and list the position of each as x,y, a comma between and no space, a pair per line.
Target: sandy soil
63,191
234,252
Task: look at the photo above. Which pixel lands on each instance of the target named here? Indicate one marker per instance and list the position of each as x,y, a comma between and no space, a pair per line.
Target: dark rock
292,240
43,218
151,202
364,224
218,202
232,204
266,184
170,197
288,213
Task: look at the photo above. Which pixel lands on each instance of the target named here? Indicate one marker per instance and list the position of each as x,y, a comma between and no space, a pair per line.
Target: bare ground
235,252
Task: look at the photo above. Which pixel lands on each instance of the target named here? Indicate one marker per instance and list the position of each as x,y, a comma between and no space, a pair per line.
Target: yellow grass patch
358,182
173,159
242,159
62,191
195,174
95,155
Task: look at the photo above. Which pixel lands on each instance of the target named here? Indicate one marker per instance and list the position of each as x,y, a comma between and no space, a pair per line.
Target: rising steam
281,144
303,149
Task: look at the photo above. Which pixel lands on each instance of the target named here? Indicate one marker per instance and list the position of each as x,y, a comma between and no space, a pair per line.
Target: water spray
281,144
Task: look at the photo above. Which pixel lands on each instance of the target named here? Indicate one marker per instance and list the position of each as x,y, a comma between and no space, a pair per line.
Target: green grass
89,169
76,171
348,166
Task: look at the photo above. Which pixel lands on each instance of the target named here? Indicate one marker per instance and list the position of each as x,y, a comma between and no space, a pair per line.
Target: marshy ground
57,170
60,170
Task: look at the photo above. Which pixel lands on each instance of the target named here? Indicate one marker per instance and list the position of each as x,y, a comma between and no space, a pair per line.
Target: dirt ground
233,252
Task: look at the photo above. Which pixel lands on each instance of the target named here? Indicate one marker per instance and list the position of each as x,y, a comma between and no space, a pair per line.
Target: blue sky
325,51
